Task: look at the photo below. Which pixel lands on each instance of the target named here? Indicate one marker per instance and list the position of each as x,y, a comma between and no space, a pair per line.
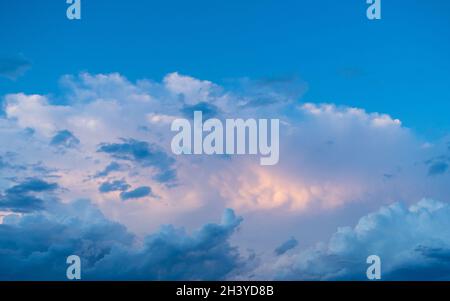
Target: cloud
32,185
3,164
331,156
172,254
64,139
334,160
111,167
13,67
35,247
412,242
137,193
35,112
142,153
208,110
86,88
20,203
286,246
118,185
191,90
350,114
19,198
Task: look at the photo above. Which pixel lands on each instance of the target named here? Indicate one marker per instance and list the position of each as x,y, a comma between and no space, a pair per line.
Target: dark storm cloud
35,247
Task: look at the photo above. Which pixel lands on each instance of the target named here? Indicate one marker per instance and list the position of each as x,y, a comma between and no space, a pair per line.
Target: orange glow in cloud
258,188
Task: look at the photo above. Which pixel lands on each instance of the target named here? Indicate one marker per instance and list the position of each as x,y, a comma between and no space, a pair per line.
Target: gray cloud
145,154
413,244
137,193
111,167
32,185
65,138
35,247
286,246
117,185
20,198
20,203
208,110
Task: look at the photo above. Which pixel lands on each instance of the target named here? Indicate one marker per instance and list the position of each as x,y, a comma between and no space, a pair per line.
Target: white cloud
34,111
192,89
412,242
330,157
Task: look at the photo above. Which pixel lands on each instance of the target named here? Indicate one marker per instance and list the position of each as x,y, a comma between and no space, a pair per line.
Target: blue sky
398,65
86,109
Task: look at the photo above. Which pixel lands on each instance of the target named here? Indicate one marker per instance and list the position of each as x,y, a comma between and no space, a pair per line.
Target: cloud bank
107,139
34,246
413,244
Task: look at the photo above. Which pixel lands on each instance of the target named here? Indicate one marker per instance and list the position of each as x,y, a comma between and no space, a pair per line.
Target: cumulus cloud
35,247
172,254
331,156
336,162
412,242
36,113
191,90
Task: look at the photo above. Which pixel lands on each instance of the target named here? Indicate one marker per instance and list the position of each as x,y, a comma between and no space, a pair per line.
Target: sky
345,57
85,157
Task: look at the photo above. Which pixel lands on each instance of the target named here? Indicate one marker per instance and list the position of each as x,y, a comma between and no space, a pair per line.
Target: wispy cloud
14,66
